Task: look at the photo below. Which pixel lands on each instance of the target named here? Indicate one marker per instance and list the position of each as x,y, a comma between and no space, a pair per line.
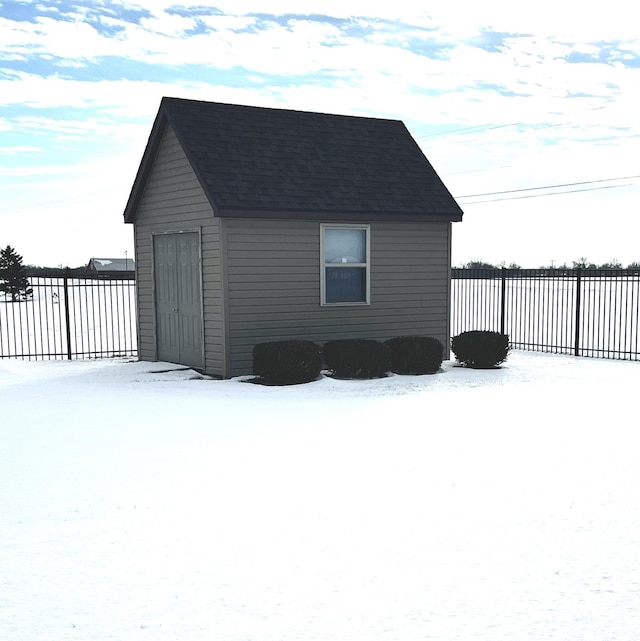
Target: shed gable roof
253,161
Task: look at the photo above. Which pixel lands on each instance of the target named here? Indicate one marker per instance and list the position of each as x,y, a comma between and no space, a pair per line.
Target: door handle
174,310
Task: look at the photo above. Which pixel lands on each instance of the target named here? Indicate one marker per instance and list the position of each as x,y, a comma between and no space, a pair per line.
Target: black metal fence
584,312
71,317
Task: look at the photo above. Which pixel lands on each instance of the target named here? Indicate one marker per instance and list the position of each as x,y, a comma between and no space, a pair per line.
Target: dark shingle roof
279,162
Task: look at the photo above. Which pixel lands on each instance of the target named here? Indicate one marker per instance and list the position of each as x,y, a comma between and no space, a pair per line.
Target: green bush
480,349
355,358
287,362
414,354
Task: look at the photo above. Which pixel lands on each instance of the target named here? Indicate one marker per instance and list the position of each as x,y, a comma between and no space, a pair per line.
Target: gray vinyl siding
273,285
174,201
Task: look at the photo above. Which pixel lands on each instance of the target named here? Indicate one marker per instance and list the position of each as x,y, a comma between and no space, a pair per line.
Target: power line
585,182
555,193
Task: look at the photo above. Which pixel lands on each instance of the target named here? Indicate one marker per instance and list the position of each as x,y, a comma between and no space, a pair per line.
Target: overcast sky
511,103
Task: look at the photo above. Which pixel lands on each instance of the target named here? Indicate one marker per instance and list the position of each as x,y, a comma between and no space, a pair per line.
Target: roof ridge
168,99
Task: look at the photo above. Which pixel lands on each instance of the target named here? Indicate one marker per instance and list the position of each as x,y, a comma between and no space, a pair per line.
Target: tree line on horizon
14,275
581,263
36,270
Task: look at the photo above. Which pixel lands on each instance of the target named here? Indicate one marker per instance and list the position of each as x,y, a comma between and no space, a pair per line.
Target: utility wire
585,182
554,193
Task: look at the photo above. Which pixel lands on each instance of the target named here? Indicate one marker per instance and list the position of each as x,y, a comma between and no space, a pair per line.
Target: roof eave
146,164
331,216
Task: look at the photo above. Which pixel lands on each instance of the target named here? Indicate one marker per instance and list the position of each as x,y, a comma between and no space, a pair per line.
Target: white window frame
324,265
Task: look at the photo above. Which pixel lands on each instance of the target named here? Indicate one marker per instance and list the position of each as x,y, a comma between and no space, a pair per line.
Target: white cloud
171,25
632,46
45,8
19,149
73,40
228,23
398,10
572,19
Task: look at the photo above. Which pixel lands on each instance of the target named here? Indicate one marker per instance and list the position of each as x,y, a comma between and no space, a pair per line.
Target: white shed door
178,298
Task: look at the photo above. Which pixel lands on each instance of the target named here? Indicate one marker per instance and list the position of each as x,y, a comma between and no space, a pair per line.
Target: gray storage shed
256,224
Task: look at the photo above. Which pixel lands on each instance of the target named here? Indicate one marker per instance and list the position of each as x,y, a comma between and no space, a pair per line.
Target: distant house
110,267
256,224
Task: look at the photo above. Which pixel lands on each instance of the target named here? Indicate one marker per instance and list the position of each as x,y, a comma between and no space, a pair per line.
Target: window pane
346,285
345,246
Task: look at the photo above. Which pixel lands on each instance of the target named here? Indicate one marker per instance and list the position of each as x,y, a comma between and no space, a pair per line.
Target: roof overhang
331,216
146,164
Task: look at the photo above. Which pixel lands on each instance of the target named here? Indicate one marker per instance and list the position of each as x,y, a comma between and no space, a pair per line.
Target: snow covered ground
138,503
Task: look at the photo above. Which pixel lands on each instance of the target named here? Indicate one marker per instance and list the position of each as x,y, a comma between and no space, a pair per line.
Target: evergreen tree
13,275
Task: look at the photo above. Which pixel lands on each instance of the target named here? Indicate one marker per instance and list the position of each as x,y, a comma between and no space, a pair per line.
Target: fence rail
71,317
584,312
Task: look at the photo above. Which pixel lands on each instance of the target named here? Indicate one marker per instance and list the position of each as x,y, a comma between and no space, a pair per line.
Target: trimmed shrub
287,362
414,354
355,358
480,349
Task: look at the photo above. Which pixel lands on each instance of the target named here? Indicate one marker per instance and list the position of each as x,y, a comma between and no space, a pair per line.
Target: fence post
502,298
576,346
65,286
